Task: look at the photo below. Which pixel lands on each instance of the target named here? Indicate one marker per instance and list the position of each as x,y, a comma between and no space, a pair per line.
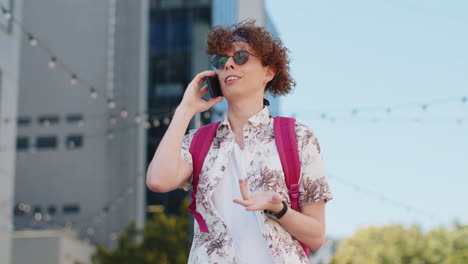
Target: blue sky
370,55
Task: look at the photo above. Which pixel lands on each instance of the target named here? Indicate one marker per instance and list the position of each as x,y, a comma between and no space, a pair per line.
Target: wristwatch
280,214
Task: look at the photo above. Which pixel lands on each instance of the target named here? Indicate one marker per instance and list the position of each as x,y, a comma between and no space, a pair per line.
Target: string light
73,79
156,123
113,120
381,197
46,123
137,119
110,135
124,113
6,14
110,103
32,40
53,62
166,121
93,93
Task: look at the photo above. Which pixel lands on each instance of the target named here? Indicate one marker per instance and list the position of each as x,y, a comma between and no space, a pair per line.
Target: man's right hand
192,100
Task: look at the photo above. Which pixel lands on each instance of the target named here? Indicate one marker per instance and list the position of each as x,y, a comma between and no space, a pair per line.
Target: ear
270,73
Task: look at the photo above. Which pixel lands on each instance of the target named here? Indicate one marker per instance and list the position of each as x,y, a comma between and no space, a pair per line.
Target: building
178,31
80,158
50,247
9,86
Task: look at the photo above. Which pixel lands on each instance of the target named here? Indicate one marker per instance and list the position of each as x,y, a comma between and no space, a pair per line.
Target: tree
396,244
164,239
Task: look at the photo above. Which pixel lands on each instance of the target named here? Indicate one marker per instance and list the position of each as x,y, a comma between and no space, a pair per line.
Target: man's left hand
270,201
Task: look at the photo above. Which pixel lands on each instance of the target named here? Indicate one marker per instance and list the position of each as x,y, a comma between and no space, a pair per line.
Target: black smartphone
213,86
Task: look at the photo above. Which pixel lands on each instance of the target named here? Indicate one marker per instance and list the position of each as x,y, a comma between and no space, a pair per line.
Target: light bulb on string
110,103
389,110
113,236
166,121
52,62
464,99
124,113
424,107
6,14
38,217
73,79
156,123
137,118
93,93
354,111
460,121
110,135
113,120
32,40
323,116
147,125
46,123
207,115
47,217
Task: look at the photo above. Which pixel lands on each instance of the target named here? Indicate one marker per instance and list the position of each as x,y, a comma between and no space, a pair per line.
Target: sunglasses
240,57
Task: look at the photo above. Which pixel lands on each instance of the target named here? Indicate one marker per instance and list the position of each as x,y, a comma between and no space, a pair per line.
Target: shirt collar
260,118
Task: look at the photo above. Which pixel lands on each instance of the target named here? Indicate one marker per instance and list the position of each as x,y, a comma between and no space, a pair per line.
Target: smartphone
213,86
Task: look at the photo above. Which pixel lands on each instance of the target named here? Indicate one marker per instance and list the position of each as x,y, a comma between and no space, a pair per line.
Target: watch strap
280,213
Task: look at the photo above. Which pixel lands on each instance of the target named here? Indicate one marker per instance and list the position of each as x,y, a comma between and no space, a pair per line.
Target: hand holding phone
213,86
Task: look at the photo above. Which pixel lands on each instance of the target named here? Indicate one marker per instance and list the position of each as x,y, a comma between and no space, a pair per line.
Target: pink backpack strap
199,147
285,138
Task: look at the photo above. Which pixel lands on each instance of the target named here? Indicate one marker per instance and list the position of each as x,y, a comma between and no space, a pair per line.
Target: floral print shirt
265,173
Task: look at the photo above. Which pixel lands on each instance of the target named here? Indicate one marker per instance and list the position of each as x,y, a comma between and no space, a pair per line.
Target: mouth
231,79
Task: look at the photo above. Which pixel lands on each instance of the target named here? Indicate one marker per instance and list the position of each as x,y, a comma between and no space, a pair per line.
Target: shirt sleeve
313,183
185,155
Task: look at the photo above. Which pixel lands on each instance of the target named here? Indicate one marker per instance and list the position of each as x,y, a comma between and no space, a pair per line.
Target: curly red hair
270,49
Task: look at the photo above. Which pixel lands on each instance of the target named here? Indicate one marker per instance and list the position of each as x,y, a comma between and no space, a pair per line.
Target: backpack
285,138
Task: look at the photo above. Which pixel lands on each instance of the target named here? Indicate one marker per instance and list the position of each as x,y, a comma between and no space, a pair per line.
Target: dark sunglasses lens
219,61
241,57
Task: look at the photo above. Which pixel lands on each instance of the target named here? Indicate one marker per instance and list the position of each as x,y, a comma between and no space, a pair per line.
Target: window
37,209
19,210
71,209
74,118
74,141
5,24
22,143
46,142
24,121
47,120
52,209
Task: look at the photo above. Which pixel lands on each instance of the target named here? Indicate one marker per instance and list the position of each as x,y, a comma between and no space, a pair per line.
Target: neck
240,111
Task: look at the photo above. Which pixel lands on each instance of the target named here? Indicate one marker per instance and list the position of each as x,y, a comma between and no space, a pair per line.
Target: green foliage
164,239
394,244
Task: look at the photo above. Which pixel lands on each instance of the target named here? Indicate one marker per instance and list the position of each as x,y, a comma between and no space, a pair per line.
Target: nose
229,64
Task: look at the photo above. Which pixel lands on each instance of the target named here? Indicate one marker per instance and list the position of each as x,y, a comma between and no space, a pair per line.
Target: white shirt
243,226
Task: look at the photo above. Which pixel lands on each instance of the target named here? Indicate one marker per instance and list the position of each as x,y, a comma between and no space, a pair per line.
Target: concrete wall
10,38
50,247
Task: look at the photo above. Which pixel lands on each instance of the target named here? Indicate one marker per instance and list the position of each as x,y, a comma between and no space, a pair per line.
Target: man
242,174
